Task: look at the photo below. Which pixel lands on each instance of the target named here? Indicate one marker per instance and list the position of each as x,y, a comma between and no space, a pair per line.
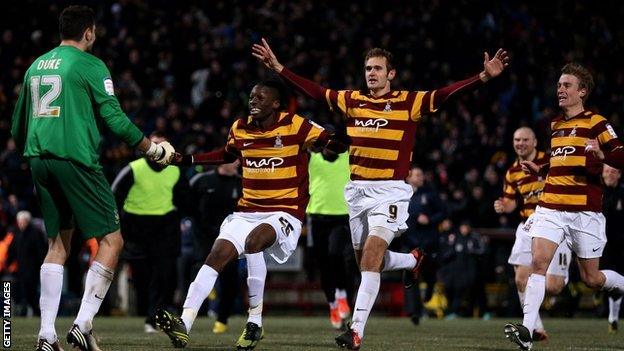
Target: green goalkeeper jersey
66,97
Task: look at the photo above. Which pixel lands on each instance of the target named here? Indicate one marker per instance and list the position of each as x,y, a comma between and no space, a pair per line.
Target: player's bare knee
215,261
370,264
521,277
593,281
113,242
372,256
382,233
553,290
554,285
521,282
222,252
539,265
57,251
260,238
254,244
56,254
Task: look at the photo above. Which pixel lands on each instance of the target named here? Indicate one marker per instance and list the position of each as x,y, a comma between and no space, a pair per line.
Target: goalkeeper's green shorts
72,194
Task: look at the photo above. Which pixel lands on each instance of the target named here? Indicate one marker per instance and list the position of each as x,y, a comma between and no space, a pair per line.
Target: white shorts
237,226
583,231
521,253
377,203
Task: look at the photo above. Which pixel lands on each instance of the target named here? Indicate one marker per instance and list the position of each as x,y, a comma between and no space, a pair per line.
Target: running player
570,207
272,146
528,188
381,123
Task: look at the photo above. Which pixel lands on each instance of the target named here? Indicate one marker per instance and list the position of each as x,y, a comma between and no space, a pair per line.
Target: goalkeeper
66,97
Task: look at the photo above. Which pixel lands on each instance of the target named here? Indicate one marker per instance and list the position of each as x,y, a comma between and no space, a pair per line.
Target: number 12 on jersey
41,105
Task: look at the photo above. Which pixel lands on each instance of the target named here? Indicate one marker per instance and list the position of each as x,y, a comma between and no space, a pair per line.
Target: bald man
522,189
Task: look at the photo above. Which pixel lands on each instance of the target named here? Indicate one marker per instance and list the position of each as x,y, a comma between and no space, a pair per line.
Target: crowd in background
185,69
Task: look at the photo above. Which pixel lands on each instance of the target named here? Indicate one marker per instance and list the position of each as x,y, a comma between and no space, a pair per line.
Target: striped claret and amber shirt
382,129
275,163
573,182
527,186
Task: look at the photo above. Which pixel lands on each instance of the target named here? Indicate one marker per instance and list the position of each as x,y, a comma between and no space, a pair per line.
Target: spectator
152,198
426,212
215,195
27,250
329,237
613,210
461,252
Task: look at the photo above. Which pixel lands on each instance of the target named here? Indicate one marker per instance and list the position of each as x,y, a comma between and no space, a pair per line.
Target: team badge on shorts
527,225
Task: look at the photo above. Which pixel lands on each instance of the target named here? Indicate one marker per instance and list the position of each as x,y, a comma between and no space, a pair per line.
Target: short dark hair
586,80
279,88
379,52
74,20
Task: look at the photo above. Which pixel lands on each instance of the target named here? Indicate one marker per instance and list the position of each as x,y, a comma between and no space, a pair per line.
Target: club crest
278,142
388,108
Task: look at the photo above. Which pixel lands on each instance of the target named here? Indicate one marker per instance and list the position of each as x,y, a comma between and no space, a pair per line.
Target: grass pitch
314,333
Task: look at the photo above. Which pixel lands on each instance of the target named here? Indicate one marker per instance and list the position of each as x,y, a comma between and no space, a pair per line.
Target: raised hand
592,147
495,66
264,53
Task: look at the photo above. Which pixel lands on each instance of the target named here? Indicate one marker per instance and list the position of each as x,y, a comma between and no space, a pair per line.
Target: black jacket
424,201
214,197
613,210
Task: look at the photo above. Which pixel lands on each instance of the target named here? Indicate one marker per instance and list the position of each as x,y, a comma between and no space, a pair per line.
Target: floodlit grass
314,333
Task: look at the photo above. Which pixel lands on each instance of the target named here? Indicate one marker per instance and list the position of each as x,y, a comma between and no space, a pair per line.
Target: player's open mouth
562,98
372,81
254,110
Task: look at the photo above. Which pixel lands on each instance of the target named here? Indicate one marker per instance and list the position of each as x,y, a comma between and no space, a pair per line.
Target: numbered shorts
70,193
583,231
377,204
237,226
521,252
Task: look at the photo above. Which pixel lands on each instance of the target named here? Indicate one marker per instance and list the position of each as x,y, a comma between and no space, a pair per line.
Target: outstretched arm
264,53
216,157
